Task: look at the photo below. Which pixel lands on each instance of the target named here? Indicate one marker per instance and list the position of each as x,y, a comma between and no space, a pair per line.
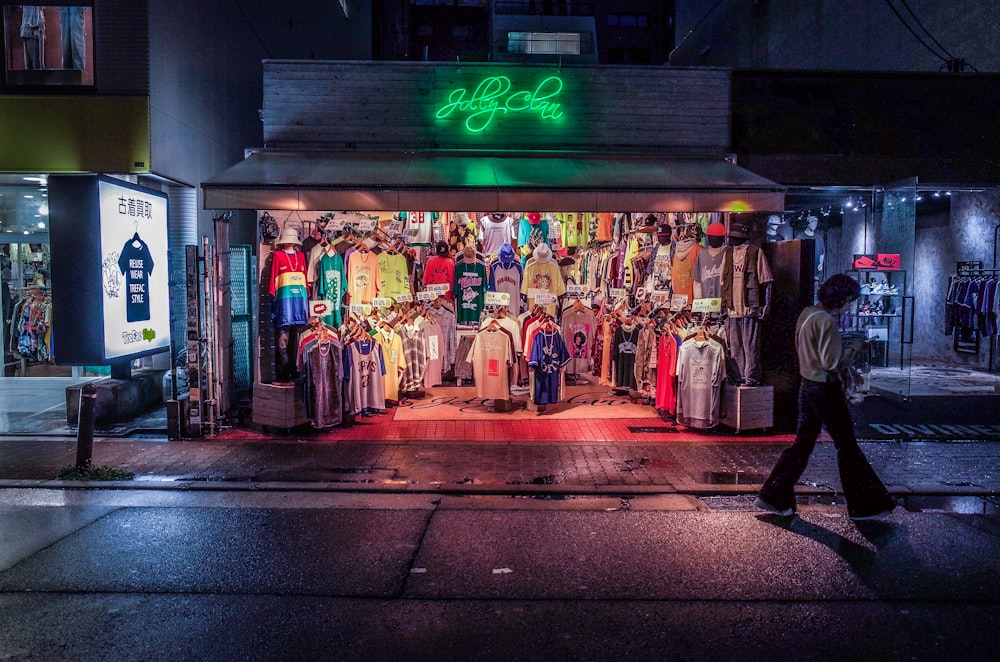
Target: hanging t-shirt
543,276
367,369
605,224
393,274
623,351
470,289
507,278
708,272
531,235
491,358
418,227
578,327
288,286
739,308
363,277
701,369
659,273
440,270
547,359
434,338
495,233
574,229
682,273
330,284
395,361
136,263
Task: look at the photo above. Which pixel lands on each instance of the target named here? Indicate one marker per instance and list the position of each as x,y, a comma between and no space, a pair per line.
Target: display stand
747,407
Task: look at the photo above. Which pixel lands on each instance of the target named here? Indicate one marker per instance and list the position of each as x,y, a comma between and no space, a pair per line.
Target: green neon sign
494,95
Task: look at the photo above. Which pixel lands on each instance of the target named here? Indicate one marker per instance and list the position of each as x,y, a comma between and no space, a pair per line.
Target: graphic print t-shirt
136,263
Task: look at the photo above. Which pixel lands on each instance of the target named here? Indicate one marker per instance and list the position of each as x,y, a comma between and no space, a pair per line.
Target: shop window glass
48,45
544,43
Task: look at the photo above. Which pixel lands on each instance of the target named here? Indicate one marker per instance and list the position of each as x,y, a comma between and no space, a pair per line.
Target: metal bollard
85,431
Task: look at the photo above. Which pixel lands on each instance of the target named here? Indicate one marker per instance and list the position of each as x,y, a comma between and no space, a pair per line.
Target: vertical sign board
110,278
136,306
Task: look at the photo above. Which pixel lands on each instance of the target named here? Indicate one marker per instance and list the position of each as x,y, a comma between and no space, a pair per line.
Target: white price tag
497,298
440,288
426,296
709,305
395,228
546,299
678,302
381,302
618,292
403,298
361,308
534,292
366,225
577,290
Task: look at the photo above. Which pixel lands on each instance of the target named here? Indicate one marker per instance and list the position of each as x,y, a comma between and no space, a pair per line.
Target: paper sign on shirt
545,299
498,298
678,302
320,308
361,308
709,305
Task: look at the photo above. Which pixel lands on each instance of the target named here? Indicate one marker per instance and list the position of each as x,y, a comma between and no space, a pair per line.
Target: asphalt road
179,575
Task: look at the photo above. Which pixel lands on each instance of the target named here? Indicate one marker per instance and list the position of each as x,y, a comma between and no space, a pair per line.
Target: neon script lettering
493,95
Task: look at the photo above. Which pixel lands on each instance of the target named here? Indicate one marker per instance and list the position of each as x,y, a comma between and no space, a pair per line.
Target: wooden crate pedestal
279,406
747,407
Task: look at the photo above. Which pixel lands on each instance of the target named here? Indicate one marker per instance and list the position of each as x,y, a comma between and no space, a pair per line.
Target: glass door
884,267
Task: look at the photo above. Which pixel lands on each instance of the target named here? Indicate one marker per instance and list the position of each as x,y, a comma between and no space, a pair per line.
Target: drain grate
641,429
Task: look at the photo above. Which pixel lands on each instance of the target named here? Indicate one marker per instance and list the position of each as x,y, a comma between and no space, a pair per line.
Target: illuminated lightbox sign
495,96
134,270
110,271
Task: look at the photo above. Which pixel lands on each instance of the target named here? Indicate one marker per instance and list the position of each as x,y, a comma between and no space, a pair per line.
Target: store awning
344,181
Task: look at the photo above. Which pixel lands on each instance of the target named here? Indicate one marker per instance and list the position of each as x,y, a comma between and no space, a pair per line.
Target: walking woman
822,402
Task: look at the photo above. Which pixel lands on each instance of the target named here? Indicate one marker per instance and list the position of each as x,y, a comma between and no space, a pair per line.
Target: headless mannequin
743,327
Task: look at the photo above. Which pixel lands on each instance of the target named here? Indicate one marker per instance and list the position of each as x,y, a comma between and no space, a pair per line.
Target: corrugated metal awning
346,181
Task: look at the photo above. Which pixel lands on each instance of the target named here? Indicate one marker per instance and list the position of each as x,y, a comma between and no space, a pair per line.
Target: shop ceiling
303,180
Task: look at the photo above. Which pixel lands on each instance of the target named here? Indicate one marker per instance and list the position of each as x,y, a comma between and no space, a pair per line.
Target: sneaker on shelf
764,505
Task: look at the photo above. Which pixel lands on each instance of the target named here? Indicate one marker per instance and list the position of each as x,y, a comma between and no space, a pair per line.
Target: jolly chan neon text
493,95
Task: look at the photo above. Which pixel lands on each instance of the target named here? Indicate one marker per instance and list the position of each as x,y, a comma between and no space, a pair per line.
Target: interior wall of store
942,240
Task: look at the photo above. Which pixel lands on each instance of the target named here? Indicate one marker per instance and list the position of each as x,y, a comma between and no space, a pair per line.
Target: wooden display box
747,407
281,406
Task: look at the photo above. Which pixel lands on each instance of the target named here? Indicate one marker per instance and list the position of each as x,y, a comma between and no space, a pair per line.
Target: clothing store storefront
517,231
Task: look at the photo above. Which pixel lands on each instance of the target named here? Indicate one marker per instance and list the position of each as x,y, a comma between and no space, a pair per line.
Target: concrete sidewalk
699,467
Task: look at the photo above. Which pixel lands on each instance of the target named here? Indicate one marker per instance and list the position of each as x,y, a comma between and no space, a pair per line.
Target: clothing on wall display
288,287
623,350
506,275
395,361
495,230
367,370
701,371
418,227
328,282
435,346
579,325
470,291
324,378
414,344
547,360
491,357
707,273
394,276
363,277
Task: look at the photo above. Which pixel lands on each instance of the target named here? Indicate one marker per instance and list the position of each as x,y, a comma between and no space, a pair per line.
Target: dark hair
837,290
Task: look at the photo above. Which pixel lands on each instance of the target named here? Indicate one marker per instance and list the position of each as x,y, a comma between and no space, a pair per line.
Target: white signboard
497,298
134,270
710,305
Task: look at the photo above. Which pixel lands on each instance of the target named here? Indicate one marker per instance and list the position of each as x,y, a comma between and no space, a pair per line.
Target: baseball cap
534,218
441,248
716,230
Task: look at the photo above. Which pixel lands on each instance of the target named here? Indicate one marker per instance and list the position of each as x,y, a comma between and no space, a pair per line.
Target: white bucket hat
289,236
542,253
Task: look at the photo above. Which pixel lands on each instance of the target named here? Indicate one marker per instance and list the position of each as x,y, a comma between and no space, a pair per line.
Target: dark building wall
859,35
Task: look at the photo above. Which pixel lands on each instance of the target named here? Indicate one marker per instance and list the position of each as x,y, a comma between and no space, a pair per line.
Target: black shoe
879,515
764,505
